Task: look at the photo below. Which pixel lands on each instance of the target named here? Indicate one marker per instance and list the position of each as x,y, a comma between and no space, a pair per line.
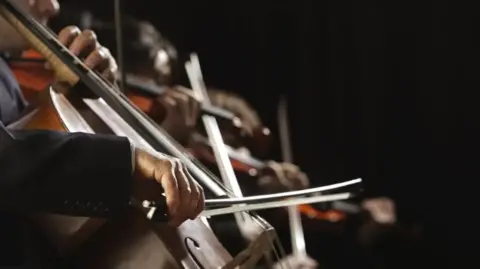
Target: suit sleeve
66,173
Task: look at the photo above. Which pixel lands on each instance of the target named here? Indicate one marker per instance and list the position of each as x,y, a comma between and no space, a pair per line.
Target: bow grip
157,211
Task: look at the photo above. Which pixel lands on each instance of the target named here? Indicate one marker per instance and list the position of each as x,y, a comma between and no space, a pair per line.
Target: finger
184,190
303,180
275,167
182,105
194,198
99,59
187,92
290,170
194,102
280,174
201,202
84,43
170,185
294,175
68,34
111,72
109,75
290,167
376,209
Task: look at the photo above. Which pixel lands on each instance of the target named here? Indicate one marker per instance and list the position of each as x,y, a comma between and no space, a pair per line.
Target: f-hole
189,244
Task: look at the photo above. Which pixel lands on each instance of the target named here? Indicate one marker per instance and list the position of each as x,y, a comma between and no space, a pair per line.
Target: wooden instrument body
130,241
55,112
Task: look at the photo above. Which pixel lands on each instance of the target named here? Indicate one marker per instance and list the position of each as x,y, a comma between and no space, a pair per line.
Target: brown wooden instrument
130,241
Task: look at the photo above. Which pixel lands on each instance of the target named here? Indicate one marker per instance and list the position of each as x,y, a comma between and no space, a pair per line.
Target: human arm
65,173
44,152
88,175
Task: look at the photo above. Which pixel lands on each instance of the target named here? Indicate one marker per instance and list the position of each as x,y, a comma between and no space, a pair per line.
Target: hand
279,177
84,45
296,262
181,110
381,209
185,197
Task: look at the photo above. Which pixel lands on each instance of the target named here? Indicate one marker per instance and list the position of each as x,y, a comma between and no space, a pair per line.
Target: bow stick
216,140
157,212
296,229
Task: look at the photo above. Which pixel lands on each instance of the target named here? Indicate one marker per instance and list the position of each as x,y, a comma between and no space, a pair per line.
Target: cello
192,245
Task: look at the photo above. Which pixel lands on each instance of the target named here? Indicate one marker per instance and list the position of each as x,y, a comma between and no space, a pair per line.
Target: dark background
383,90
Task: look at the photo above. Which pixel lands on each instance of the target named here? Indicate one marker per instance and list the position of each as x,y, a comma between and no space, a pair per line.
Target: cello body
189,246
130,241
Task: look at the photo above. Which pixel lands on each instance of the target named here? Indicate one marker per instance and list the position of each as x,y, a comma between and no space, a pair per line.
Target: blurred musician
152,58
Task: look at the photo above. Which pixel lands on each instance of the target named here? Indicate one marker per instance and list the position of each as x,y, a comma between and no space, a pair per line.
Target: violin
96,242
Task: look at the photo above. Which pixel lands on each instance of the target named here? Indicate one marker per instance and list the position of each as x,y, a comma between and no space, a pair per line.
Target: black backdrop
385,90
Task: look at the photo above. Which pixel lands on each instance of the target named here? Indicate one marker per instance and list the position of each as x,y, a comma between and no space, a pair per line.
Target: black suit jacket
42,171
73,174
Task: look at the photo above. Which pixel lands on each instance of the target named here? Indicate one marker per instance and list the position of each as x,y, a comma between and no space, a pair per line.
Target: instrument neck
71,70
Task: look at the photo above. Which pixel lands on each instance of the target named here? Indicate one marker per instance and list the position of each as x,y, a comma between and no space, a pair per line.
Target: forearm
73,174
